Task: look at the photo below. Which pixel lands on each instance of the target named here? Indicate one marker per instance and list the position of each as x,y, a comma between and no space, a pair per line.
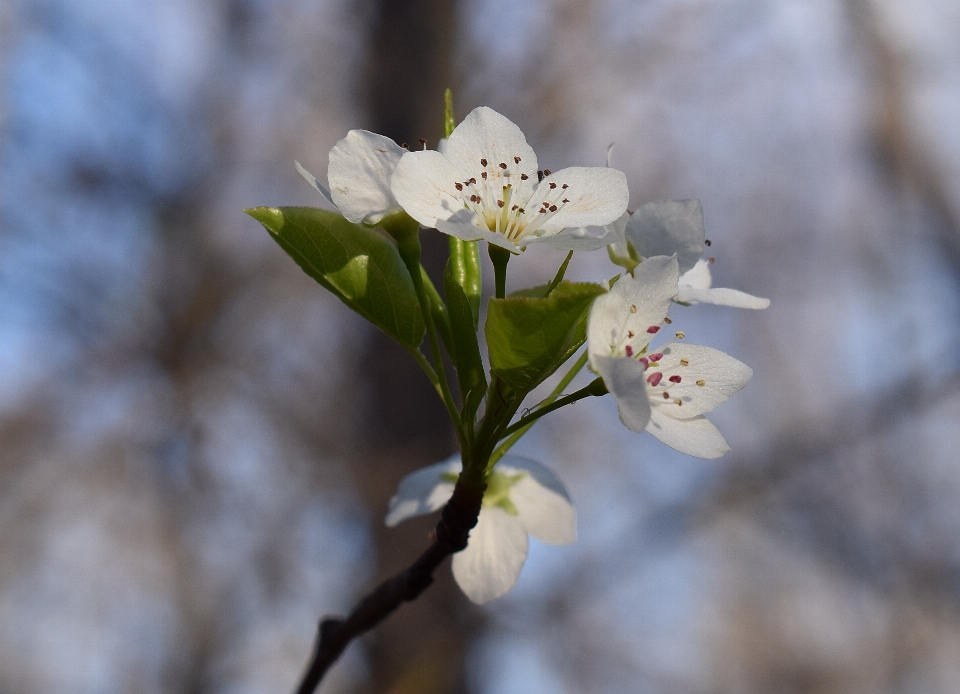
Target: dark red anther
483,162
547,172
656,356
645,361
459,186
653,329
516,160
524,177
552,185
553,208
503,166
675,379
654,378
629,350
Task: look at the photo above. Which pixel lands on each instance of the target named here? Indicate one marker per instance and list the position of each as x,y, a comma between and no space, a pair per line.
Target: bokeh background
197,443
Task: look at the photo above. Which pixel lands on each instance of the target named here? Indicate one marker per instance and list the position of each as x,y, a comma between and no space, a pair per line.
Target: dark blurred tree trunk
421,647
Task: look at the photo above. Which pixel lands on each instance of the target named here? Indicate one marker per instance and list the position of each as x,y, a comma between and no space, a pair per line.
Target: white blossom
667,389
523,497
485,184
669,227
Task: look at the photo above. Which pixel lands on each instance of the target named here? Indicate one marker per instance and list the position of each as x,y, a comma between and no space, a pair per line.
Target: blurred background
197,443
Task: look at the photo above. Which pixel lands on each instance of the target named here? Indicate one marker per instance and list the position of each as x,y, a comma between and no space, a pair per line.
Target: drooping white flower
665,390
485,184
522,497
359,171
669,227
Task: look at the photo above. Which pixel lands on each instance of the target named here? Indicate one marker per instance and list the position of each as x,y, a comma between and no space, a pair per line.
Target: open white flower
522,497
669,227
666,390
485,184
359,171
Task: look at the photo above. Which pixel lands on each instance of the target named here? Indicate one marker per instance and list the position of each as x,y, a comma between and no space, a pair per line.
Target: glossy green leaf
530,336
361,267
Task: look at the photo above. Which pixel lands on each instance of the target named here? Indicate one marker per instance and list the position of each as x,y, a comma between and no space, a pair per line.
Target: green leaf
530,336
466,349
361,267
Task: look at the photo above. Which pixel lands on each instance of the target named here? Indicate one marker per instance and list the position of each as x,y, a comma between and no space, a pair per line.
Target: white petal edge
543,503
359,172
587,238
491,563
624,378
721,296
312,180
694,287
597,196
696,436
422,492
666,227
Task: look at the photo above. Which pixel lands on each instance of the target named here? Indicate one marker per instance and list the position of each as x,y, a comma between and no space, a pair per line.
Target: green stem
409,248
508,442
500,257
594,388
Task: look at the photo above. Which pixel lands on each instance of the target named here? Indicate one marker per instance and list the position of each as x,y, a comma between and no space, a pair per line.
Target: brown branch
457,519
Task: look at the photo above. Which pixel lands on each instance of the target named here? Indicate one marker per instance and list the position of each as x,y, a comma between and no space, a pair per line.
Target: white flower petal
721,296
697,277
666,227
635,306
486,134
596,196
720,374
491,563
624,378
697,436
359,172
694,287
312,180
422,492
587,238
544,506
423,184
463,226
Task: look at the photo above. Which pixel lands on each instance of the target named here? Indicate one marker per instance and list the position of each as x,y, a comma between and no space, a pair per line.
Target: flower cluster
484,184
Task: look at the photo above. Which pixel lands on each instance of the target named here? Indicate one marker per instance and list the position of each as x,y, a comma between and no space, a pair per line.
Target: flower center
500,192
498,491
